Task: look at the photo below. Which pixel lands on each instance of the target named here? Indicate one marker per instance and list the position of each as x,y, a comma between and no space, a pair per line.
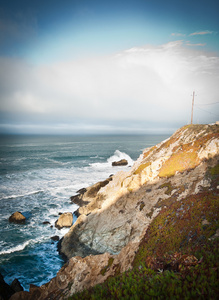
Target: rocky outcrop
65,220
122,162
17,217
80,273
88,198
122,210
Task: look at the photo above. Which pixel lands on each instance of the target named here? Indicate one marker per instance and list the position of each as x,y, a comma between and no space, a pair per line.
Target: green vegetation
169,187
179,226
214,171
106,268
178,257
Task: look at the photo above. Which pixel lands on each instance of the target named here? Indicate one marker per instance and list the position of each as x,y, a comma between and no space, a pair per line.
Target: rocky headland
151,221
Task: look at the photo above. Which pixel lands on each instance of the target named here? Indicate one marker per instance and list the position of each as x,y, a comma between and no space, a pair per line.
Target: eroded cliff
121,210
114,216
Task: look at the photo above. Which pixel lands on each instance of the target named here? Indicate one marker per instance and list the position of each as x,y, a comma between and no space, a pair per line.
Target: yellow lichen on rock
179,162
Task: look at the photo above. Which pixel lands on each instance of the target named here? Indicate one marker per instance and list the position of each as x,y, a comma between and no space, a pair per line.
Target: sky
107,67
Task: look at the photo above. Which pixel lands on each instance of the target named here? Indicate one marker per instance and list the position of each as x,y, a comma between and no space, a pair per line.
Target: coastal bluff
116,215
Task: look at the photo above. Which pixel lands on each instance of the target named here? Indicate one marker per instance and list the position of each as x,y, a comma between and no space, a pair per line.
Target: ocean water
38,175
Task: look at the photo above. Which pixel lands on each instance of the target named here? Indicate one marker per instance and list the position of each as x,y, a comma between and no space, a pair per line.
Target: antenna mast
193,99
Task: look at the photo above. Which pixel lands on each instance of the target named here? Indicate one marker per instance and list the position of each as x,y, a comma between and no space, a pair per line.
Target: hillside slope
122,210
167,202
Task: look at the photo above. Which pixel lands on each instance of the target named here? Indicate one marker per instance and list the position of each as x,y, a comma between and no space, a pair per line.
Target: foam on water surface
38,175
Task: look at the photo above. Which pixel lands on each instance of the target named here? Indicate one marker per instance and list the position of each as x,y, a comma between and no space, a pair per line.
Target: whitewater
38,175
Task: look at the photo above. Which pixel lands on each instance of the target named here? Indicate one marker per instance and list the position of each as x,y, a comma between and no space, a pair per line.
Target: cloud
196,45
201,32
132,90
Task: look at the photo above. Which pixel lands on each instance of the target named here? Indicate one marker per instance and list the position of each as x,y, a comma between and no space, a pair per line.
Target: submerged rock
17,217
65,220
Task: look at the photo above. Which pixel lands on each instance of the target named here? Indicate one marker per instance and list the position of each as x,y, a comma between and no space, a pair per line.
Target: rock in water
17,217
55,238
65,220
16,286
122,162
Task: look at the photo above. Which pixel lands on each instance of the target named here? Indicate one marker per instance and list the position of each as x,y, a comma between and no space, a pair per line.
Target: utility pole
193,98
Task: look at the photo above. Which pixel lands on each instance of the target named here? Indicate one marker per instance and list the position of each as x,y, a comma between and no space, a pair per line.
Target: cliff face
121,211
115,214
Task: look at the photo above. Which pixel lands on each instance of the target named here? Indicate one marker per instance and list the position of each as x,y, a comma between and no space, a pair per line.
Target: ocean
38,175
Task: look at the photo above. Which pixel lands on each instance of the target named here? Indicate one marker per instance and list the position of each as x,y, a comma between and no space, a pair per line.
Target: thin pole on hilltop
193,99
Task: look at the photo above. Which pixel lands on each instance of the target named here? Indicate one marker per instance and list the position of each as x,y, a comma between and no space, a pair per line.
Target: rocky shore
115,215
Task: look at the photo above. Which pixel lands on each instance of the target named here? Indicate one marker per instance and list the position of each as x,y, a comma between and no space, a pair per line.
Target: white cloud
138,86
201,32
178,34
195,45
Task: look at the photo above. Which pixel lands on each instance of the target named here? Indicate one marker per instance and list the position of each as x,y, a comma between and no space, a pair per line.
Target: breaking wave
117,156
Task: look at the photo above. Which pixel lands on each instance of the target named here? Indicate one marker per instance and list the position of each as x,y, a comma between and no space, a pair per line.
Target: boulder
65,220
122,162
17,217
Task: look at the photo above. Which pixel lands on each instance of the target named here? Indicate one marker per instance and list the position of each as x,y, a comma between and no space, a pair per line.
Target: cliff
119,218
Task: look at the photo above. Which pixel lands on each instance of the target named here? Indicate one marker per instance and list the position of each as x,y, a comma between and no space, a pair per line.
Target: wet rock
46,223
16,286
55,238
17,217
65,220
82,191
122,162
